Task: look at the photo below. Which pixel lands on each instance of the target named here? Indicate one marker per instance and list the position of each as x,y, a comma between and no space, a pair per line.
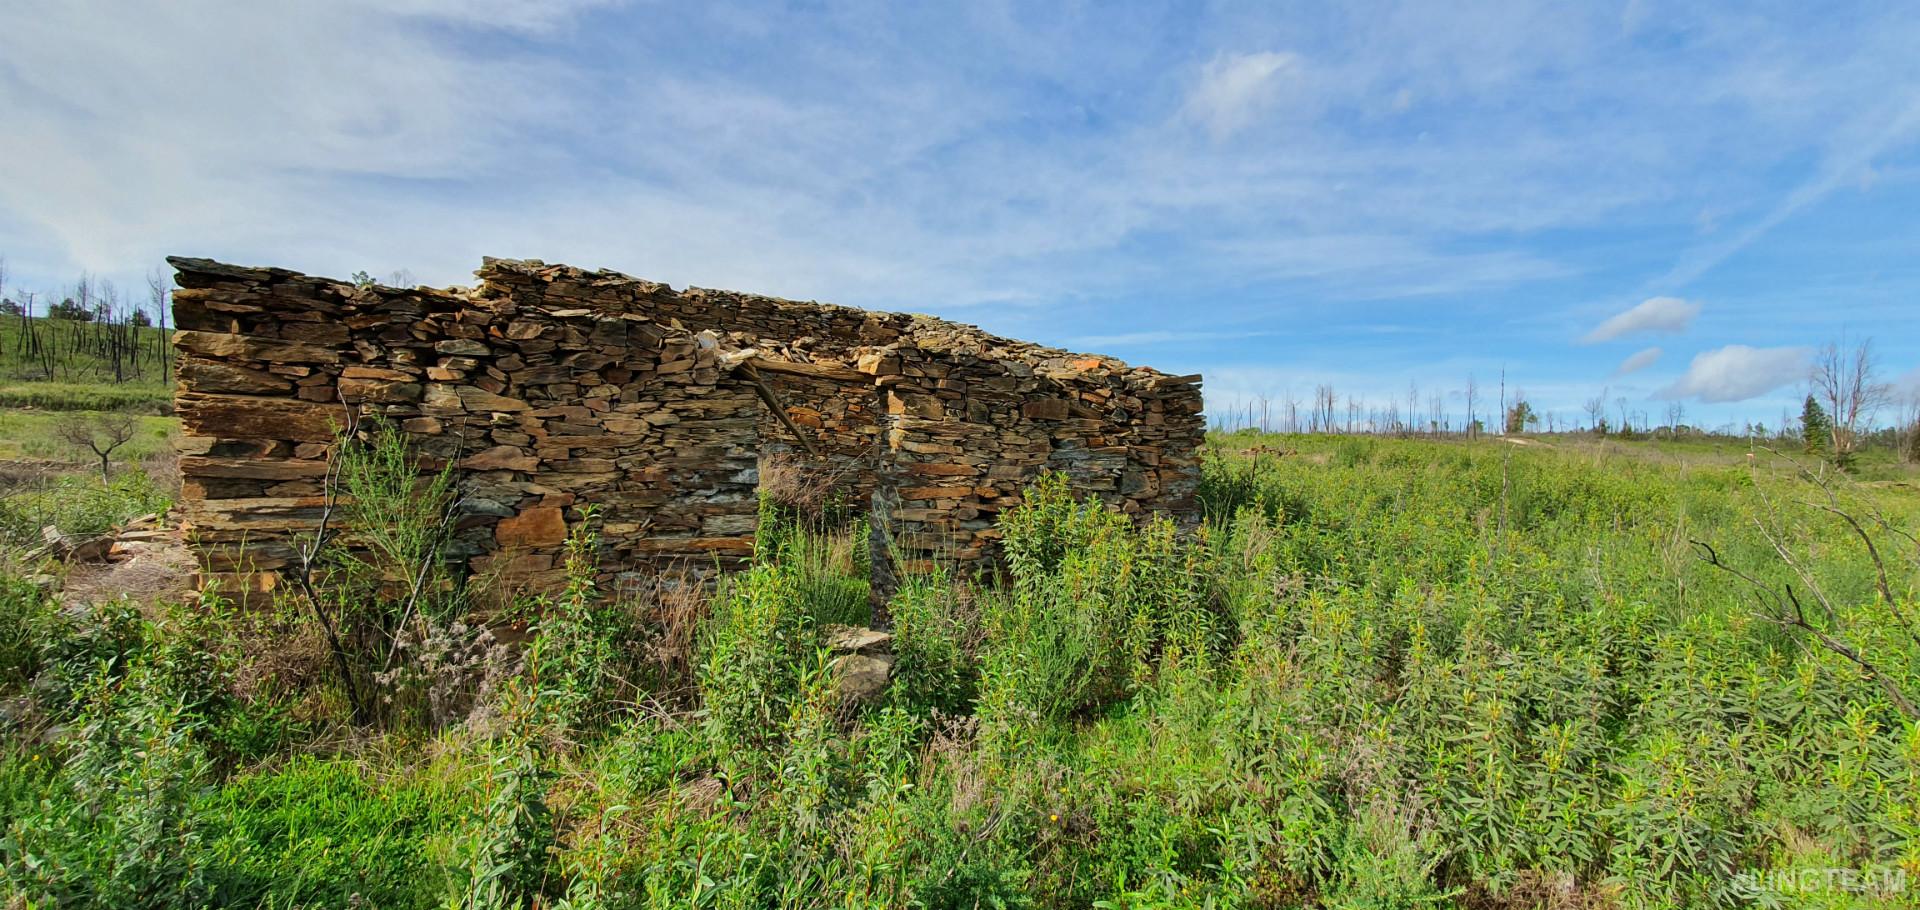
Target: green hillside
52,364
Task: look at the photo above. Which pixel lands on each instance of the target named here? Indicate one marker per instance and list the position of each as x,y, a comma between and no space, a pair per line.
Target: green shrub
934,662
116,827
26,617
1094,605
760,636
404,651
84,646
814,783
80,506
196,651
505,851
580,640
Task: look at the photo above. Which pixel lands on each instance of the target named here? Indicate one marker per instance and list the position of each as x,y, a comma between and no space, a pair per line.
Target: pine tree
70,310
1816,428
1521,416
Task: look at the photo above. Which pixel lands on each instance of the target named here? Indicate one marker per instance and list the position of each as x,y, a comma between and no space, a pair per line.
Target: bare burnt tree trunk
1473,403
1846,382
100,434
157,295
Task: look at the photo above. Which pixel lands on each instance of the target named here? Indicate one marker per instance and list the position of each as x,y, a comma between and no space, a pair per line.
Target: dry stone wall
551,388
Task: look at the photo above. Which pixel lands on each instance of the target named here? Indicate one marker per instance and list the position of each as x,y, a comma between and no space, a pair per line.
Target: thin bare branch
1792,614
310,552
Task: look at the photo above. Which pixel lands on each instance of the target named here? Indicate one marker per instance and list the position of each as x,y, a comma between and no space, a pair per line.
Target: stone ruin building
552,388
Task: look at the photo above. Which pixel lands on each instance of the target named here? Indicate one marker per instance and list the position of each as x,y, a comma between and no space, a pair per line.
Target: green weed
1381,674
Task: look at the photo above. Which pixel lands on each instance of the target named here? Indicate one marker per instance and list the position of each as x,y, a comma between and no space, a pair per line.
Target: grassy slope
81,380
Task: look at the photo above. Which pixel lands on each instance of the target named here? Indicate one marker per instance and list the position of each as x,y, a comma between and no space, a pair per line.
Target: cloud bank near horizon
1738,372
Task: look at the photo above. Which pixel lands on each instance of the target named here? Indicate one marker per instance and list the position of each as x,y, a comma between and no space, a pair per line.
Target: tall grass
1381,674
139,398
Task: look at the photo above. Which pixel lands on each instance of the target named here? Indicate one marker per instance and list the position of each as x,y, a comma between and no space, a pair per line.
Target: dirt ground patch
148,564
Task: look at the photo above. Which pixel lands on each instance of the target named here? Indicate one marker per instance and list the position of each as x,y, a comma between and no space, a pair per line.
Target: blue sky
1277,195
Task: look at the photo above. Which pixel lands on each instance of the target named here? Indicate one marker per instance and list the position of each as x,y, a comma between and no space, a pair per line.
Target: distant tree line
1847,409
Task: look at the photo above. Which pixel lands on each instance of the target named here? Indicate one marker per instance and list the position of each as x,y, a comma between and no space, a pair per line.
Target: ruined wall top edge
801,330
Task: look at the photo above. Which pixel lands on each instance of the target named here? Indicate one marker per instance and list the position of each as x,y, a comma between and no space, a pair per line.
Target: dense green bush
1094,603
113,826
935,657
26,614
759,642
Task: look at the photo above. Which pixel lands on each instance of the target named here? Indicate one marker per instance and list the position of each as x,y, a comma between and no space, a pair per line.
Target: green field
30,434
1384,674
73,374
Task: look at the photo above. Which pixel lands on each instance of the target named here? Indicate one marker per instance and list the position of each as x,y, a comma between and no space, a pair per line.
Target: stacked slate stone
551,388
543,409
976,418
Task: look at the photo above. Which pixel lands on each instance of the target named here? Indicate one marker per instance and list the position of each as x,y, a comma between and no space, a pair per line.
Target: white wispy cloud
1637,361
1849,163
1382,265
1234,89
519,15
1738,372
1670,315
387,145
277,130
1015,165
1161,336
